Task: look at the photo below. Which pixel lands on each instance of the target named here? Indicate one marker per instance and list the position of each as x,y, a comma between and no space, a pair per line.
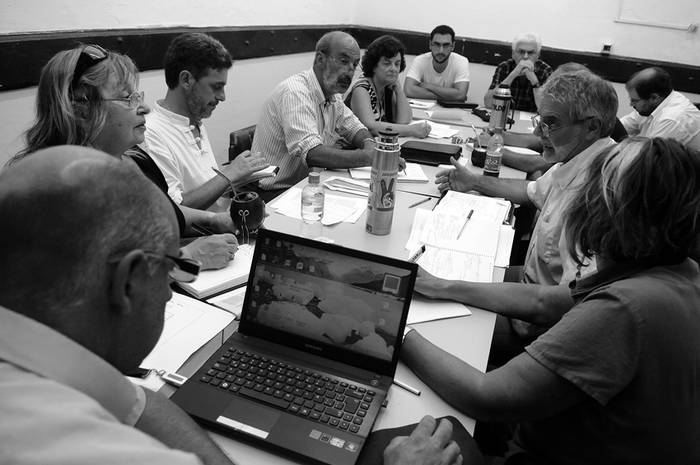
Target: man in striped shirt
305,124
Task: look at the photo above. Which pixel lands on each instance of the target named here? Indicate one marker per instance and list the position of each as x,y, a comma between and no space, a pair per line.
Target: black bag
428,153
457,104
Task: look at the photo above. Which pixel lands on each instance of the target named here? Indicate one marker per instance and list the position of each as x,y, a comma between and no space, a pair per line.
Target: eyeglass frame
547,129
133,100
189,266
87,60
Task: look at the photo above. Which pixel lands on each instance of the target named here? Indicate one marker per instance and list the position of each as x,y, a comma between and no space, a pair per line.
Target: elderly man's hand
457,179
427,445
213,252
525,65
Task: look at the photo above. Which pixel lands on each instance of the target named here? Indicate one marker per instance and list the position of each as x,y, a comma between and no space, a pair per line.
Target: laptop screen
328,300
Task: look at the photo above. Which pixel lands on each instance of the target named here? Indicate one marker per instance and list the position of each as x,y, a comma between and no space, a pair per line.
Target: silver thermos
501,108
385,168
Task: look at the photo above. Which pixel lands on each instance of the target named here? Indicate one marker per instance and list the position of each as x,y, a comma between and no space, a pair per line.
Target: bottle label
492,164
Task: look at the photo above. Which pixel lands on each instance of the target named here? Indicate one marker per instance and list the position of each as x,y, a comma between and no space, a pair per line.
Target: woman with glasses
377,98
89,96
615,380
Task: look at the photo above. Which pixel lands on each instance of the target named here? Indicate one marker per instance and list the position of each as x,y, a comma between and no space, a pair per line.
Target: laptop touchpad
249,417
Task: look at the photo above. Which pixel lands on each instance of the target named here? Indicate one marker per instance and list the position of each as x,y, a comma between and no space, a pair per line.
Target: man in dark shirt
523,73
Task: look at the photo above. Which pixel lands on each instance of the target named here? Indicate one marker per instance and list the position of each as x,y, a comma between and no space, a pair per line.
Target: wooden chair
240,141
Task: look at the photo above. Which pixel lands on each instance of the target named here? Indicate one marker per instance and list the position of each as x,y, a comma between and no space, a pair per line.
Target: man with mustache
439,74
305,124
196,69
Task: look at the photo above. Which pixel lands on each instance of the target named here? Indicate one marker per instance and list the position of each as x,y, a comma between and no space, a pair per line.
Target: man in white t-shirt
439,74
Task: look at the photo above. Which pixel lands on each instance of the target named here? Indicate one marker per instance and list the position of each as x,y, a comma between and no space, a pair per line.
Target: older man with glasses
577,115
305,124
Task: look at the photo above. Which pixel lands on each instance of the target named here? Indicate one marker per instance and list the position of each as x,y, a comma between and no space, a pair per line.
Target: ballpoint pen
405,386
419,202
417,254
469,216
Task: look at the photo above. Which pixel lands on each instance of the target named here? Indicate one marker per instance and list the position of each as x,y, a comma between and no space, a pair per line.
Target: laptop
315,353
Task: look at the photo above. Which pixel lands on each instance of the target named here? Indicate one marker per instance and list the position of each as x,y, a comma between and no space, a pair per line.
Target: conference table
468,338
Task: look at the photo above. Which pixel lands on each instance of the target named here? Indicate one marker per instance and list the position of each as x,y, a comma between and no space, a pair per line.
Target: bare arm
458,91
460,179
241,167
166,422
520,390
327,156
362,107
413,89
523,162
534,303
404,114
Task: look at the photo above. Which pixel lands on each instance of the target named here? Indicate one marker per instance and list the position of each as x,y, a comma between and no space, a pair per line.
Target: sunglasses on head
90,55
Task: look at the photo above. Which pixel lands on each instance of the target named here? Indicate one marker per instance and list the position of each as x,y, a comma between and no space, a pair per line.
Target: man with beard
659,111
439,74
196,69
305,124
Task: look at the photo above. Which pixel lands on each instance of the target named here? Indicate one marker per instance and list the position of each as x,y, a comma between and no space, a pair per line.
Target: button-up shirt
296,118
521,89
548,260
61,403
676,118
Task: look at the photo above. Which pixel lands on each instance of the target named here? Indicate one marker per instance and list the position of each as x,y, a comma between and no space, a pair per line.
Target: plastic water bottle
312,198
492,165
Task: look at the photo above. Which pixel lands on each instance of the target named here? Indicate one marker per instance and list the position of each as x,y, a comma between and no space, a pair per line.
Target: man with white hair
523,73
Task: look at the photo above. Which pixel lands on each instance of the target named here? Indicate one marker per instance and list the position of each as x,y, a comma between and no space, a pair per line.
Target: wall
565,24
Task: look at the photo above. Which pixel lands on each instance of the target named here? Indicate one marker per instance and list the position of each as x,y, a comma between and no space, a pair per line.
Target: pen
199,229
405,386
419,202
469,216
417,255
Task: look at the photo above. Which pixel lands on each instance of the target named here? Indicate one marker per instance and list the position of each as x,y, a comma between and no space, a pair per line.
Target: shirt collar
175,119
664,103
39,349
567,172
316,90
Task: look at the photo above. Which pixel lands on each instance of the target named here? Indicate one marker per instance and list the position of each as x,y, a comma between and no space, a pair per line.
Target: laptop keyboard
300,391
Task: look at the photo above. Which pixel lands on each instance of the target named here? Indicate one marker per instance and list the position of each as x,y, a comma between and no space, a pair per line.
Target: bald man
660,111
88,247
304,123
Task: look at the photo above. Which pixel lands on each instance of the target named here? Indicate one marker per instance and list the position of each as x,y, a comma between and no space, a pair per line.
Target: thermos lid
503,91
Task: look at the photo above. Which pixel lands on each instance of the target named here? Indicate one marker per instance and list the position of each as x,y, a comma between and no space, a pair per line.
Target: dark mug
478,156
247,212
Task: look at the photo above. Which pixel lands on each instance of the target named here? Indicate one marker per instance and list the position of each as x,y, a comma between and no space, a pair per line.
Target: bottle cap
314,177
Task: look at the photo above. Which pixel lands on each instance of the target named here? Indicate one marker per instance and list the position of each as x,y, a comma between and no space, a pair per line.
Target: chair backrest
240,141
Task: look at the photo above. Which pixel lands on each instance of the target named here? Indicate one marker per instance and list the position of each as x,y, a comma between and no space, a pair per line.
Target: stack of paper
231,301
459,244
189,324
412,173
440,131
210,282
336,208
421,104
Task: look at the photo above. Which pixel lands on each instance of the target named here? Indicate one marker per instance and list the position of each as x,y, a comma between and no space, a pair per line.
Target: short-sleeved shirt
296,118
185,159
676,118
61,403
548,261
422,70
631,345
521,88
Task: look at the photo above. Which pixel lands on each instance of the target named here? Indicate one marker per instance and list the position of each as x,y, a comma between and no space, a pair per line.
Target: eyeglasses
184,270
90,55
133,100
547,129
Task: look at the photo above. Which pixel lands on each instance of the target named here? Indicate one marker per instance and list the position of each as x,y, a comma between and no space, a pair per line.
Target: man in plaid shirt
523,73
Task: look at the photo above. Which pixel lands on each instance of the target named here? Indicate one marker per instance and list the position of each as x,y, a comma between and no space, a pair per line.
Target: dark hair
194,52
649,81
639,204
443,29
385,46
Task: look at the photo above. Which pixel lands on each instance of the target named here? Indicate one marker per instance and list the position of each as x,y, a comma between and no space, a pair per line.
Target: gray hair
528,37
585,95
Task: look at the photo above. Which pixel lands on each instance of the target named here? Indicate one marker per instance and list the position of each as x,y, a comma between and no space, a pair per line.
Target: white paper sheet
439,131
412,173
450,264
421,104
424,309
231,301
336,208
189,324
